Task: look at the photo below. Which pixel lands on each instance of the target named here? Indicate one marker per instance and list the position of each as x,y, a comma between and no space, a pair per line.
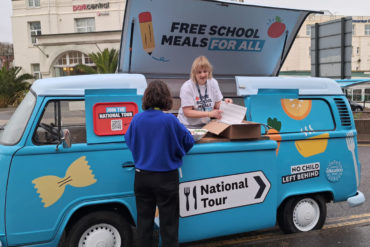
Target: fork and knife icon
187,193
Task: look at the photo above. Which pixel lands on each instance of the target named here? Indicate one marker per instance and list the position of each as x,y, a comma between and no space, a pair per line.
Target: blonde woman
200,95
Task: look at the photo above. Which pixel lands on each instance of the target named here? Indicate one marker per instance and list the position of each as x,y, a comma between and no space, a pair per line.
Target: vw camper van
66,173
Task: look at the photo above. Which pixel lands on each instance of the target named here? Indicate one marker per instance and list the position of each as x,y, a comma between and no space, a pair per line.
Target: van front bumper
356,200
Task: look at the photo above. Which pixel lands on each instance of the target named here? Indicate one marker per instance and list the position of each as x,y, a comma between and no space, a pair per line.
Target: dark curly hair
158,95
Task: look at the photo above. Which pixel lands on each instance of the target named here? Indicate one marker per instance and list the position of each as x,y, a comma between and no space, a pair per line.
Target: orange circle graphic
295,108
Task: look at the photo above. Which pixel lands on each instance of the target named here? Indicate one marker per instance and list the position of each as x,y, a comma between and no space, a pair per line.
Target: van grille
343,112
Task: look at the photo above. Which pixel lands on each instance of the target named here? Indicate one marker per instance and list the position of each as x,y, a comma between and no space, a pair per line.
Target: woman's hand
215,114
191,113
228,100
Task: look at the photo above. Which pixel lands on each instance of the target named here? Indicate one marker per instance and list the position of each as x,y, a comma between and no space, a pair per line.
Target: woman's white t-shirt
189,96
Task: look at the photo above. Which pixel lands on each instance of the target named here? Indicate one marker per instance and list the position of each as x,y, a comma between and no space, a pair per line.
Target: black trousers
157,189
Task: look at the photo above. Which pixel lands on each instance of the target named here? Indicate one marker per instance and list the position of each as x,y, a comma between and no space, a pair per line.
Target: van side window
59,115
293,115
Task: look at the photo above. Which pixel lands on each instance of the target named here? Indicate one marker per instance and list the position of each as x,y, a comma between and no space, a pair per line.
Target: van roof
76,85
163,37
304,85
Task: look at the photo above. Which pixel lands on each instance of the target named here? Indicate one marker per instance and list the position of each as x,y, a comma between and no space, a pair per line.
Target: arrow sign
220,193
262,187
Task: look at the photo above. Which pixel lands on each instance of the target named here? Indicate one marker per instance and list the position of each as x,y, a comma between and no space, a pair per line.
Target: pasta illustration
51,188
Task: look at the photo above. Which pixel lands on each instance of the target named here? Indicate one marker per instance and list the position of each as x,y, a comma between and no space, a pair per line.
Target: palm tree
12,85
105,62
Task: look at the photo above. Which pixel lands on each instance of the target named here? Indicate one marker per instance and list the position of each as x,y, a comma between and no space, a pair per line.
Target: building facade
50,37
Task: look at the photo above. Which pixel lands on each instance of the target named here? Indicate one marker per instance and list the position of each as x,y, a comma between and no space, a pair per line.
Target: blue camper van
66,174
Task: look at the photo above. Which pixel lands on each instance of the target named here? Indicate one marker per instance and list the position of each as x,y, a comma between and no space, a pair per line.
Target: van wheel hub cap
306,214
101,235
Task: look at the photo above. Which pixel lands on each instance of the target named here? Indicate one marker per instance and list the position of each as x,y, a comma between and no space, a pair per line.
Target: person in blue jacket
158,141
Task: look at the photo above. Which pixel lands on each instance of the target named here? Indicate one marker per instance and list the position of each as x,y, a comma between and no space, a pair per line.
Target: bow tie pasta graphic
51,188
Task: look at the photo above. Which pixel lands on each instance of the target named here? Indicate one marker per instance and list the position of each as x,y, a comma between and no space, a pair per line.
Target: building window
35,29
88,60
308,29
367,29
35,68
33,3
353,29
84,25
73,58
65,64
356,94
367,94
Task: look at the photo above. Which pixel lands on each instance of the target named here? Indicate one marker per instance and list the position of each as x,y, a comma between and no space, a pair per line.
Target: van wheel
102,228
302,214
358,109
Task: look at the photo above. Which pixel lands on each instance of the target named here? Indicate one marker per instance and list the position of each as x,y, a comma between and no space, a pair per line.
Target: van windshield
13,130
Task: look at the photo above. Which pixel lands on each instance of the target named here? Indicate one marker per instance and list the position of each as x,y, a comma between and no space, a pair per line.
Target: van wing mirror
65,140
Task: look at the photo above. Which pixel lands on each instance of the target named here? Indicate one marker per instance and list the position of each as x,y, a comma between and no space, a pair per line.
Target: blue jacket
158,141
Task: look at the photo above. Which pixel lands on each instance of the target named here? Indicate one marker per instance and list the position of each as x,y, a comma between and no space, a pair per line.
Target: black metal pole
342,48
317,53
131,39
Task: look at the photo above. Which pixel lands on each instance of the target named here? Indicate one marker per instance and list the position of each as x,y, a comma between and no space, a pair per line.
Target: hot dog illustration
146,29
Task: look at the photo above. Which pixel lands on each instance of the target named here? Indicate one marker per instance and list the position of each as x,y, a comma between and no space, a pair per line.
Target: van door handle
128,164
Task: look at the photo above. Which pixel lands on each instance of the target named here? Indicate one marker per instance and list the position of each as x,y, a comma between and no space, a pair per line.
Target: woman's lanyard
202,98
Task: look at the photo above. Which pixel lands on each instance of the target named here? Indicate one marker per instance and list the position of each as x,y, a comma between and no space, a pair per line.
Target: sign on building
331,48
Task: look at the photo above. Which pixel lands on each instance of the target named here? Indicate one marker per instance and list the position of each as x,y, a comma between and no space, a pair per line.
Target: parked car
356,106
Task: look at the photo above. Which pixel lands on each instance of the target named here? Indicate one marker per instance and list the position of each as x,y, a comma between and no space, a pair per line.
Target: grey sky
5,22
336,7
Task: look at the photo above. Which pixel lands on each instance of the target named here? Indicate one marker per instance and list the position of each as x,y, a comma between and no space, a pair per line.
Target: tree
12,85
106,62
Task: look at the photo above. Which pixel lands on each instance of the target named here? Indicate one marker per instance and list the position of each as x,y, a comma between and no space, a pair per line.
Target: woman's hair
158,95
200,62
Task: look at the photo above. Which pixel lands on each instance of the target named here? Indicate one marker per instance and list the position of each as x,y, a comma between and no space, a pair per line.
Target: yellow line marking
350,223
280,235
355,216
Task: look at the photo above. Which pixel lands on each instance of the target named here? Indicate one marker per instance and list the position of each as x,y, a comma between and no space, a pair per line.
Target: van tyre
302,214
358,109
102,228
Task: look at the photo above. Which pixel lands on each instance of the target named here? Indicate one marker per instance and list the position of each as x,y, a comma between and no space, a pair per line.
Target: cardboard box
245,130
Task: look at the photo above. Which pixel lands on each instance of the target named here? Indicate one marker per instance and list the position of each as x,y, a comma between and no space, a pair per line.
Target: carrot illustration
273,133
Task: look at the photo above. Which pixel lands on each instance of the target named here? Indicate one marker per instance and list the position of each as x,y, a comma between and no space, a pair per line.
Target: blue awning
351,82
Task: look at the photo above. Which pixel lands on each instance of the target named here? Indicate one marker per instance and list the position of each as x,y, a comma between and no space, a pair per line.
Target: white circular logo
334,171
